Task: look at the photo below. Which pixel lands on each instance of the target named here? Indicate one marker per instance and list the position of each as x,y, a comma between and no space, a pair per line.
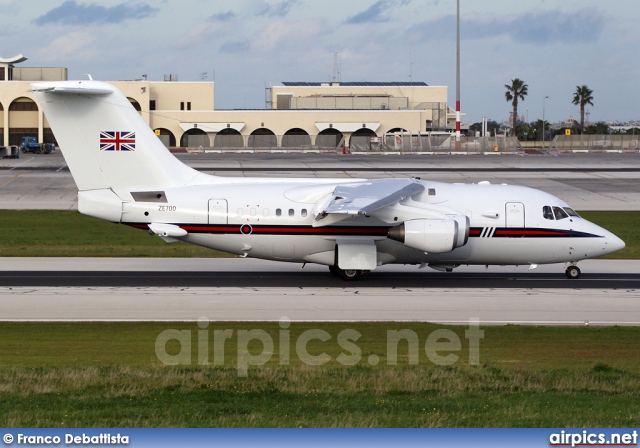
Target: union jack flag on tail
117,141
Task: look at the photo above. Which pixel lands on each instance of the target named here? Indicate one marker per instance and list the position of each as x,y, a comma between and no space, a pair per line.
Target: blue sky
553,45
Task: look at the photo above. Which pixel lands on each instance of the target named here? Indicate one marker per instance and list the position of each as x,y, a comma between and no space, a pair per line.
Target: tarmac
270,291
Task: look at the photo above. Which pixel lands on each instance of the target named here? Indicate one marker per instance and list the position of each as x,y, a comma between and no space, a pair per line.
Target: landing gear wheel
350,274
573,272
346,274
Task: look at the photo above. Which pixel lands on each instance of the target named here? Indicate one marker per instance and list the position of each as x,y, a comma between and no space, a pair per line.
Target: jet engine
432,235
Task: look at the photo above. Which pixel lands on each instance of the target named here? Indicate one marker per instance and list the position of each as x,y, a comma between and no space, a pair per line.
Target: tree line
518,90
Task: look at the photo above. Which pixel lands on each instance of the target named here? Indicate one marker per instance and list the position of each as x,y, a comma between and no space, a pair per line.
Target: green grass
623,224
108,374
55,233
63,233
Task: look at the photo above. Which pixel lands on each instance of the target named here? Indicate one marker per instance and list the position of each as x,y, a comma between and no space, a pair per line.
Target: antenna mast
337,68
410,68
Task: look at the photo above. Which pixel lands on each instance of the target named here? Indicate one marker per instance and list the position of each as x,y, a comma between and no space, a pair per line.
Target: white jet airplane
126,175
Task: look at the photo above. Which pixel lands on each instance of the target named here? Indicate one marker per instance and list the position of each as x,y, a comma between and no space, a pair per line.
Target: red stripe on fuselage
523,232
277,230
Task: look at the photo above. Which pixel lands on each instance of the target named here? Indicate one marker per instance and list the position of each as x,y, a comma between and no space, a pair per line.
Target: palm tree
582,97
517,90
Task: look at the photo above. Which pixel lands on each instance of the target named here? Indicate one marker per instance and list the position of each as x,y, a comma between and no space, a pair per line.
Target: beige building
296,115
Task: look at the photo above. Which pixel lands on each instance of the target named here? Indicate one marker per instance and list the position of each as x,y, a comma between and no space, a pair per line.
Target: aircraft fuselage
273,219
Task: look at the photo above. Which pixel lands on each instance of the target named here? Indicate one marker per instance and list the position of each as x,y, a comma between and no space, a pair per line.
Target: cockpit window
547,213
559,213
571,212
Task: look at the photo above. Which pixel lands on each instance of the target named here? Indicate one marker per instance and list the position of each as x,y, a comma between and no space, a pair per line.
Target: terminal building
301,115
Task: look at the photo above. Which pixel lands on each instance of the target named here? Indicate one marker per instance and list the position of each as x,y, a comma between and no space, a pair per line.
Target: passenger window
571,212
291,212
559,213
265,212
278,212
303,212
547,213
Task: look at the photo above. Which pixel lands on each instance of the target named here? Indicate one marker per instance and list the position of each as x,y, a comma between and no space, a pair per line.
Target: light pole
458,75
543,100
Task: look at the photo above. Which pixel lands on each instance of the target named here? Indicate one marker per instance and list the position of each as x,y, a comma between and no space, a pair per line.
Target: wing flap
364,198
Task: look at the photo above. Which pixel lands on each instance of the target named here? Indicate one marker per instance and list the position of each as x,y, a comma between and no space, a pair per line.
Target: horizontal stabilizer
77,87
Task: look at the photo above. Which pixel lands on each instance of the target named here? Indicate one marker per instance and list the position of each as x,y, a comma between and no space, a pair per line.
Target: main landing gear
572,272
346,274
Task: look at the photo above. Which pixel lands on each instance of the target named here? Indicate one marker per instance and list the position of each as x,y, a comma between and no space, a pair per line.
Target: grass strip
68,233
623,224
65,233
109,375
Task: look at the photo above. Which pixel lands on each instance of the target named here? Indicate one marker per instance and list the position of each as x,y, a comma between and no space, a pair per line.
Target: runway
264,279
608,293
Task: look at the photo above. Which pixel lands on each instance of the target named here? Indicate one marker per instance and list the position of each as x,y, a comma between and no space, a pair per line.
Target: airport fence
596,143
395,143
439,143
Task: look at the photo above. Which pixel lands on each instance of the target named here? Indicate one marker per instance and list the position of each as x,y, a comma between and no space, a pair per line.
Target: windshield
571,212
559,213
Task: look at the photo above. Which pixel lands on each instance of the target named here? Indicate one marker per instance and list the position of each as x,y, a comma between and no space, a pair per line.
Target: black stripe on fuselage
521,232
265,229
378,231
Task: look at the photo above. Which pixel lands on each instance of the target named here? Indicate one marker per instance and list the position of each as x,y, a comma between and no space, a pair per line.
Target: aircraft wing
364,198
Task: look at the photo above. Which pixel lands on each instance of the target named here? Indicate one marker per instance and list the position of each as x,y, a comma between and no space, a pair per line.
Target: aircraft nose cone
613,243
617,243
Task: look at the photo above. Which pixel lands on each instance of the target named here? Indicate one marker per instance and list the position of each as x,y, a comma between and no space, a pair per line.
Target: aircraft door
218,211
514,214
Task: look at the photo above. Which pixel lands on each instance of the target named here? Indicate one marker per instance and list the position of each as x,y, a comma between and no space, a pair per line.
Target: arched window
329,138
295,138
361,139
228,138
23,119
194,138
263,138
167,137
135,104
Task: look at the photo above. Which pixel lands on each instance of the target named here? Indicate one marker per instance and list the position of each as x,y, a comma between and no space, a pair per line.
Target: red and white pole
458,76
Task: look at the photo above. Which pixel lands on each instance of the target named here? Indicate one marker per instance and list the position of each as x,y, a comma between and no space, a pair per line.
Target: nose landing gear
572,272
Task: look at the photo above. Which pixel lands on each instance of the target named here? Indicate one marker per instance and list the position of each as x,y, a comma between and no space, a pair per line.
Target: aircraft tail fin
105,141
